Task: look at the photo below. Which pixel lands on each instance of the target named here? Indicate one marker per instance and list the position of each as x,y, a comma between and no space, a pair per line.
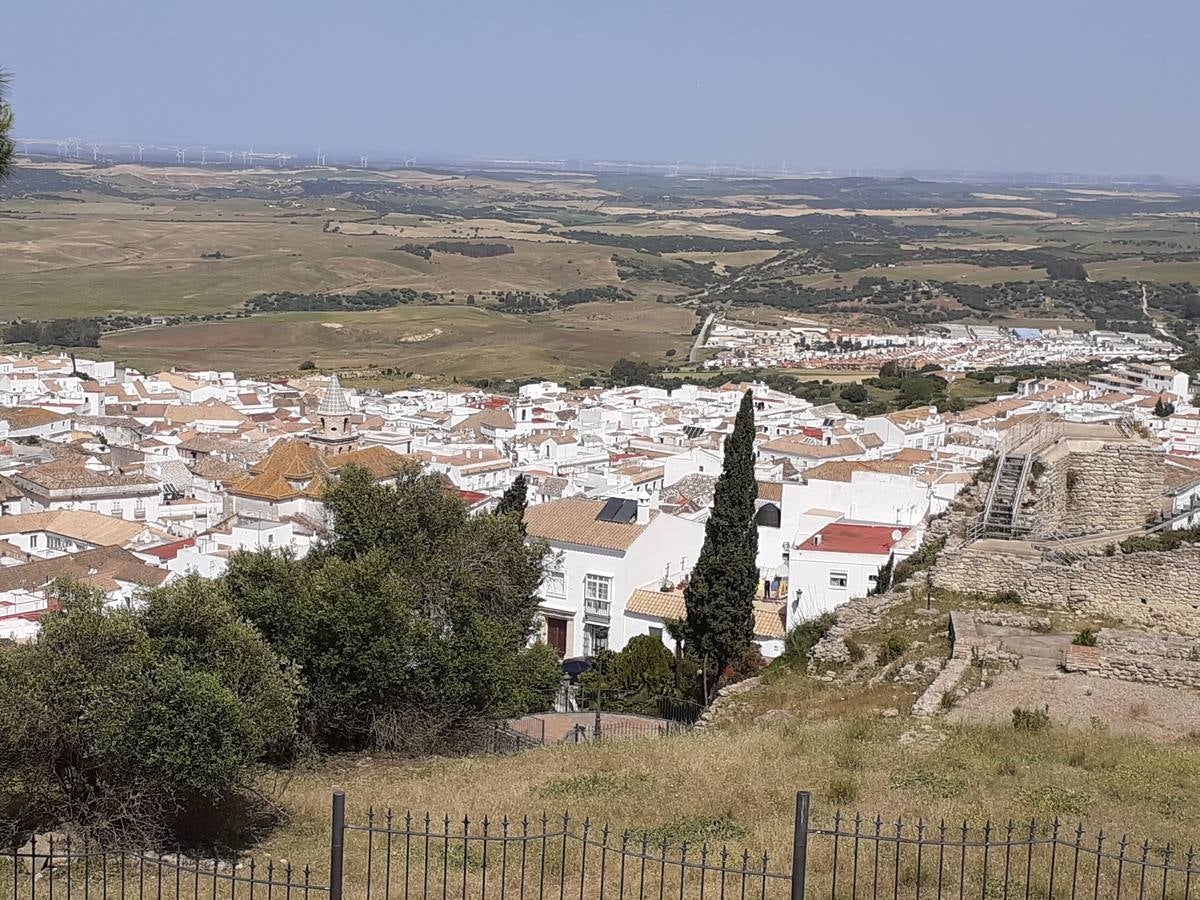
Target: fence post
800,845
337,845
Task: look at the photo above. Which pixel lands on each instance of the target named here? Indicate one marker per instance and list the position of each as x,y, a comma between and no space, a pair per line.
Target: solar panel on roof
609,512
693,431
627,512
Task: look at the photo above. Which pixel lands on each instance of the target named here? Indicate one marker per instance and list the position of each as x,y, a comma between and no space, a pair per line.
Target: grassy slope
430,340
740,778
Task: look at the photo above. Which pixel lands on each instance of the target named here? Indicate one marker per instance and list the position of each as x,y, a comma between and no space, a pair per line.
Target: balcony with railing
597,610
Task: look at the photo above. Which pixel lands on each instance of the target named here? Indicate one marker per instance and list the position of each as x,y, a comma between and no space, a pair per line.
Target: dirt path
1078,700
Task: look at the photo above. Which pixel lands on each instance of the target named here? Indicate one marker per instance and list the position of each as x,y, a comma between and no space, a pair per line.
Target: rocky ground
1084,701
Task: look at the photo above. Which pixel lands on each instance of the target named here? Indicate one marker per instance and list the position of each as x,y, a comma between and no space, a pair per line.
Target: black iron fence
386,855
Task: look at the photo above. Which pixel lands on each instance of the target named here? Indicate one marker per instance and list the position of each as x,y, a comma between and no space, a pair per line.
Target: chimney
643,511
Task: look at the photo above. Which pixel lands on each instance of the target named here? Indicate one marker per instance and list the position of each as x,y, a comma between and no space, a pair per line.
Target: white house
842,561
922,428
601,552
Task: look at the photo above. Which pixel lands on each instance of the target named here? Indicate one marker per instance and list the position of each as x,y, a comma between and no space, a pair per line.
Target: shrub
697,830
1085,638
854,648
930,784
842,791
141,724
307,366
803,637
1025,719
1058,801
893,647
924,558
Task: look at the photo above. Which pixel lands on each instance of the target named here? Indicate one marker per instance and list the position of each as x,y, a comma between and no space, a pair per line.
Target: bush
893,647
1085,638
842,791
854,648
142,725
802,638
307,366
1025,719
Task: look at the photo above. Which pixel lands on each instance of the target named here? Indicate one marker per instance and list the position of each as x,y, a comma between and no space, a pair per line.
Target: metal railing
389,854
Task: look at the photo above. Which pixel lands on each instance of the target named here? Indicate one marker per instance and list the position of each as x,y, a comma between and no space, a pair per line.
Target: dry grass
441,341
744,777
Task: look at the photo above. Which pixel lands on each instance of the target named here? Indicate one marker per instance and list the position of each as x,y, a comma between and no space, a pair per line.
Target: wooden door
556,635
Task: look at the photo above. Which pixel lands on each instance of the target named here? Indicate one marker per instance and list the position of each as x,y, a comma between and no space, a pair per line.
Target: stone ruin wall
1085,487
1155,589
1138,656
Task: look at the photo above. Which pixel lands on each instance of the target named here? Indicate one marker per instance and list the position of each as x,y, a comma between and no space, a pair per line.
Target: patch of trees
473,249
55,332
1066,270
528,302
406,631
668,243
678,271
290,301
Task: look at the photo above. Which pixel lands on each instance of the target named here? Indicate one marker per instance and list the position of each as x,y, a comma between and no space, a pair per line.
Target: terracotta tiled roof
107,562
77,524
770,490
295,469
573,521
768,617
64,475
19,417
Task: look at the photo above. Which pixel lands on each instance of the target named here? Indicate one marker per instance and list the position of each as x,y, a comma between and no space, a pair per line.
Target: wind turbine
320,157
138,152
95,152
181,154
362,162
62,148
204,156
673,171
410,163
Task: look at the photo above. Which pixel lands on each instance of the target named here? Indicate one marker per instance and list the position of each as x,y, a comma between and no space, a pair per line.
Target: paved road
698,344
1166,335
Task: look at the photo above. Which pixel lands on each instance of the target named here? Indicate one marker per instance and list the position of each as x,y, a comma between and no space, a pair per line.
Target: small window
33,540
656,633
597,587
838,579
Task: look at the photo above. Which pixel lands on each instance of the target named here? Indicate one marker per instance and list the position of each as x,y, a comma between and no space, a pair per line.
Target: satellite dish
897,534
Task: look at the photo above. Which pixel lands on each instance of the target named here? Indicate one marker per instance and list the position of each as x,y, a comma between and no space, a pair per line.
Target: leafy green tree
6,124
719,596
515,500
410,624
146,723
854,393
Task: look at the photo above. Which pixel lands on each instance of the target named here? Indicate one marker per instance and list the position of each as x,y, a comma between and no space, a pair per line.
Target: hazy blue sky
1099,86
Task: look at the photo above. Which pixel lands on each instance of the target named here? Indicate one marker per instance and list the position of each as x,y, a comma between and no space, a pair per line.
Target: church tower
334,433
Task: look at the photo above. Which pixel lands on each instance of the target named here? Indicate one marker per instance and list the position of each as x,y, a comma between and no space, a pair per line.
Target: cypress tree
515,500
883,582
720,593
